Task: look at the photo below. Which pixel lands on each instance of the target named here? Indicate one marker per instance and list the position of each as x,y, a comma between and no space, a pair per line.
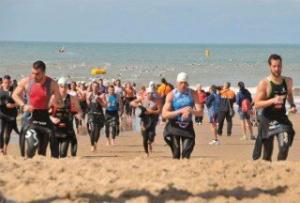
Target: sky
151,21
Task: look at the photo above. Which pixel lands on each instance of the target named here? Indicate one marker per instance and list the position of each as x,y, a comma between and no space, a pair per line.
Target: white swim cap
63,81
182,77
151,84
150,90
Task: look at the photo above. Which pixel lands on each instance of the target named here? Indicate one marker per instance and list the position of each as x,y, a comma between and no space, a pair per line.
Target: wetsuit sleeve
209,100
238,99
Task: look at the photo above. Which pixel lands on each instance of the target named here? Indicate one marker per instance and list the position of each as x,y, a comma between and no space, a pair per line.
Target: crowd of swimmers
51,110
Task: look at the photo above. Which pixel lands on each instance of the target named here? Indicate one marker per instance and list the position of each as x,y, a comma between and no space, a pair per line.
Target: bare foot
92,148
113,142
108,143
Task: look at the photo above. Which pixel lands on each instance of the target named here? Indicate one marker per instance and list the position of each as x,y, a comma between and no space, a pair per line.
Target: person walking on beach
149,107
226,110
271,96
180,106
37,127
96,120
244,102
213,104
201,97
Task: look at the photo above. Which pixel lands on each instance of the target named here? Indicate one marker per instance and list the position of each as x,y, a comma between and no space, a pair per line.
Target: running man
180,106
37,126
62,119
8,114
96,103
271,96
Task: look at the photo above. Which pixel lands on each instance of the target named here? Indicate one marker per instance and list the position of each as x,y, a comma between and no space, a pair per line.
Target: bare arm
167,112
18,92
261,100
102,100
290,97
56,95
88,95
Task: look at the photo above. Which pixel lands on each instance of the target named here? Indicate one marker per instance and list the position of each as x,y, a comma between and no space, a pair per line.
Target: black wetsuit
148,124
274,122
64,131
7,118
95,119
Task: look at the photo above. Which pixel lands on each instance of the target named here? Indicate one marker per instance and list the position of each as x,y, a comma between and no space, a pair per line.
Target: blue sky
163,21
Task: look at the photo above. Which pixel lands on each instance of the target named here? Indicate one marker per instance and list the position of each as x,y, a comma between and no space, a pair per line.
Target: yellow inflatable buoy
207,53
98,71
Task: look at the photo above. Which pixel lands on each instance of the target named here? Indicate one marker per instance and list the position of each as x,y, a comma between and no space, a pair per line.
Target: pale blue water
145,62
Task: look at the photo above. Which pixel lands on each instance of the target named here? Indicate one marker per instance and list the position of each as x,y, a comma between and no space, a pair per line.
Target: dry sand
122,173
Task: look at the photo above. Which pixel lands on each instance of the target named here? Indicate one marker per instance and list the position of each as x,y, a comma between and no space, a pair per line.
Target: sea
206,64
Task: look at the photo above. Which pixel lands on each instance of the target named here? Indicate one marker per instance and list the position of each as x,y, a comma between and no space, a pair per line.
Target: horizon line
183,43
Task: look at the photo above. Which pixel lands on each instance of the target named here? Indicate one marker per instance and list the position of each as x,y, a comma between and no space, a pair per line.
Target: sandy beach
122,173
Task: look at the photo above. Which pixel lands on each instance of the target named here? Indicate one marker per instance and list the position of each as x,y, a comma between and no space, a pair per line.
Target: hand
79,116
185,116
148,111
186,110
27,108
10,105
293,110
277,100
55,120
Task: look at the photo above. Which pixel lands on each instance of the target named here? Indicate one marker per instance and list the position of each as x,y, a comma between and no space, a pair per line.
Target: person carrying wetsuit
114,106
63,119
150,109
96,103
8,114
179,108
37,126
271,96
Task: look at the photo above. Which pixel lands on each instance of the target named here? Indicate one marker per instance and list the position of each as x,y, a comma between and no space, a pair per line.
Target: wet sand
120,173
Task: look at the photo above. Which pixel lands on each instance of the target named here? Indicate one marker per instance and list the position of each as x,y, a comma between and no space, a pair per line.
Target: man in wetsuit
181,104
8,114
63,122
271,96
37,126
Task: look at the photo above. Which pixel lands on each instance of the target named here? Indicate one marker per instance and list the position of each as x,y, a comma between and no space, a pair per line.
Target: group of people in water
51,107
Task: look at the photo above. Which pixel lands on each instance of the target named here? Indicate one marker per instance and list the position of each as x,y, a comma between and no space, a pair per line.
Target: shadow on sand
170,194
